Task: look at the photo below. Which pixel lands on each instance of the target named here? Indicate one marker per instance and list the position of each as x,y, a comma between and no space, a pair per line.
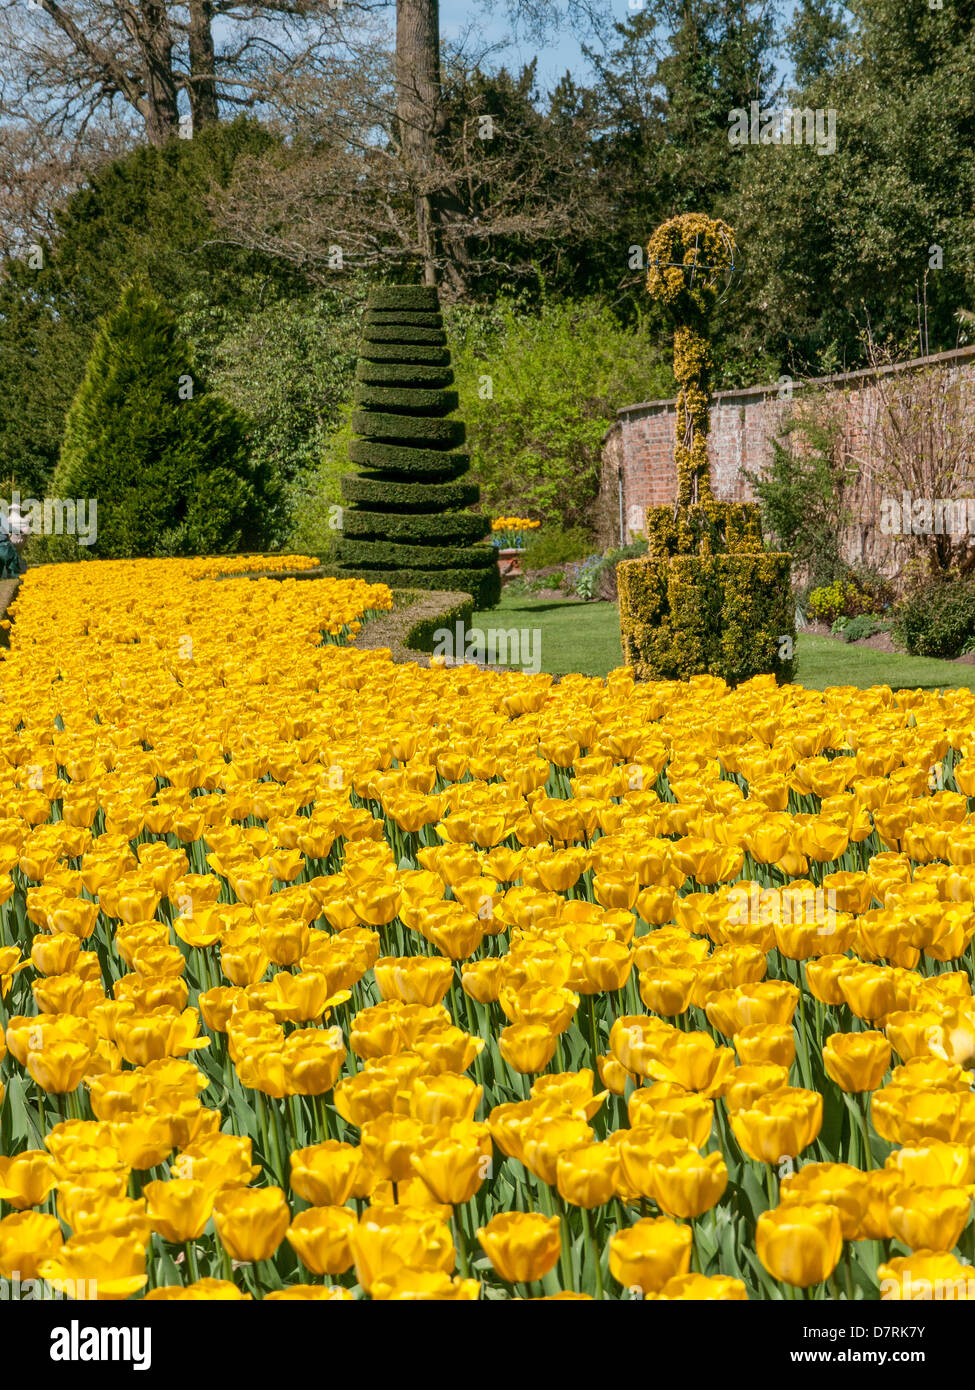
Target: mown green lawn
585,637
823,661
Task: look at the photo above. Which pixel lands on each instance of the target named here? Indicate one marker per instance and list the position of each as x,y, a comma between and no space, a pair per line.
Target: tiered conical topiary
404,520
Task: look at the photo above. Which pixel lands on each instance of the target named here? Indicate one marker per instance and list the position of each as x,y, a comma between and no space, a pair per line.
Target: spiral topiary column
405,520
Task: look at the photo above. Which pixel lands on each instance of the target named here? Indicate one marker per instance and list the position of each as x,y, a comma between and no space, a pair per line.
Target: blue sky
560,52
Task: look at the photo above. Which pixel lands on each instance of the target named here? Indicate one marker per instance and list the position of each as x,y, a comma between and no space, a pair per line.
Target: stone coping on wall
937,359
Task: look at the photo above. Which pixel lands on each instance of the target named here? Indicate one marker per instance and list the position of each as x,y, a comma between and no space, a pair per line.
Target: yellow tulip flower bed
325,977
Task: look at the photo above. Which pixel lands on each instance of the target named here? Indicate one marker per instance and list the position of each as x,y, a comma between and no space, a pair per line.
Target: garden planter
509,563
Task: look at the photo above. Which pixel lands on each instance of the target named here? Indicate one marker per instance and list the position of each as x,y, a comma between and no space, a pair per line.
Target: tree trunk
161,110
203,73
417,102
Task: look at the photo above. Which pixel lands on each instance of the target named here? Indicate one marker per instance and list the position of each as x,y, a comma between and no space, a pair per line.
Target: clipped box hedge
729,615
389,554
707,527
483,585
403,374
385,494
411,400
404,352
422,299
403,333
416,528
403,429
402,317
403,461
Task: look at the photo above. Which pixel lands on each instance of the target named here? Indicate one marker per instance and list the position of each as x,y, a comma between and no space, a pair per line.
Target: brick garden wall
638,450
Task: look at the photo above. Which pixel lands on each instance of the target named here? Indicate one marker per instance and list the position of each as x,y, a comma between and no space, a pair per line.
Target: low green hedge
484,585
384,494
423,626
407,631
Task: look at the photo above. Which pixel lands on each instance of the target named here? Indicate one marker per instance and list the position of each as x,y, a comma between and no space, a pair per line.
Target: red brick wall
638,450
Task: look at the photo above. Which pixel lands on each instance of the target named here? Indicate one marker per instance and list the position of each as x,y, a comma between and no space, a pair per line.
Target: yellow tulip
28,1239
587,1176
926,1275
522,1246
647,1254
527,1047
179,1209
930,1218
387,1239
699,1288
322,1238
251,1222
779,1124
27,1178
856,1061
800,1244
324,1174
454,1160
112,1265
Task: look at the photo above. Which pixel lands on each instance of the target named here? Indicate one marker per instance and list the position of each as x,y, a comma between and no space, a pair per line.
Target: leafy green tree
144,214
881,233
816,39
166,461
539,389
287,364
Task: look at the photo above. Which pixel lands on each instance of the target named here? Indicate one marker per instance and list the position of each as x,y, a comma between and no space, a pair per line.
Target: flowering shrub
832,601
327,978
859,594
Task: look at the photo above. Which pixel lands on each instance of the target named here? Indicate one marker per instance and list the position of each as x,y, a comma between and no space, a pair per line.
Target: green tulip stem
321,1109
280,1147
41,1126
472,1028
593,1045
191,1264
460,1240
803,1033
263,1126
566,1258
591,1242
863,1101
